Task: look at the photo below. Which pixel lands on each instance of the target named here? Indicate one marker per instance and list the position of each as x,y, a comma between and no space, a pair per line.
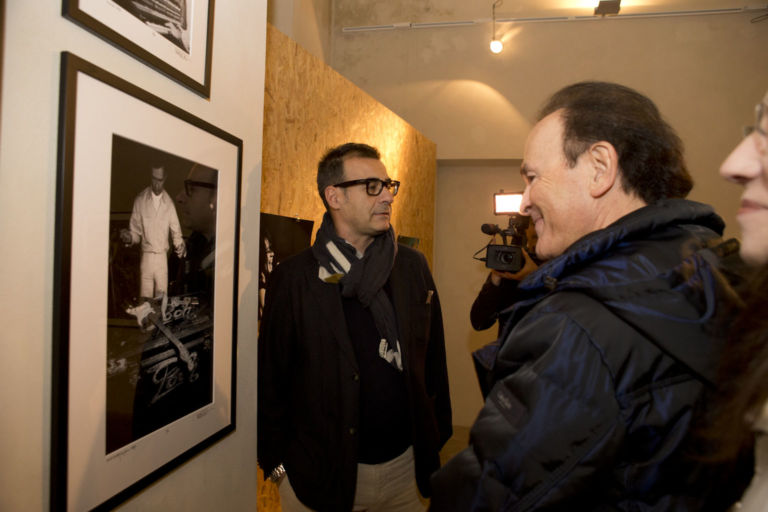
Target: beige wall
309,108
223,476
458,276
307,22
704,72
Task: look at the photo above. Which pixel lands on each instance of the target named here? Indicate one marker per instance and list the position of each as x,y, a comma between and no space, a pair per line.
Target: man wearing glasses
353,403
153,218
197,212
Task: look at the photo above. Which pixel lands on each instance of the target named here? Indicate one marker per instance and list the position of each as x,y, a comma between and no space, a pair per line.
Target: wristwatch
277,474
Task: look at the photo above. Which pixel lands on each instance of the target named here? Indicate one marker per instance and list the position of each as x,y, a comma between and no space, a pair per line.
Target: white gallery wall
223,476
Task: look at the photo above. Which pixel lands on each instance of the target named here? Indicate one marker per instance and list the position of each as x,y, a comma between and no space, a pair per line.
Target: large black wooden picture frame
112,369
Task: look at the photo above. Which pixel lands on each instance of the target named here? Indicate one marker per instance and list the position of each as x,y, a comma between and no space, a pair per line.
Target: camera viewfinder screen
506,203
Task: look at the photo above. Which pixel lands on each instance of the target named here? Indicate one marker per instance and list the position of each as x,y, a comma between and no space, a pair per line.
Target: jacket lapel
329,307
402,302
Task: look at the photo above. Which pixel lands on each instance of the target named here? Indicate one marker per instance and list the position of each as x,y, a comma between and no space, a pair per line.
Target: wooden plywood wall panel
309,108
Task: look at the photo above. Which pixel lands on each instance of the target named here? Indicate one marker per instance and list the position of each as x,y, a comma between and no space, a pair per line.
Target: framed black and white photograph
281,237
173,36
145,316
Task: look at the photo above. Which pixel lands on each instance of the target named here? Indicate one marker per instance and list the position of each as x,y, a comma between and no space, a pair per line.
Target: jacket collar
328,299
637,224
688,289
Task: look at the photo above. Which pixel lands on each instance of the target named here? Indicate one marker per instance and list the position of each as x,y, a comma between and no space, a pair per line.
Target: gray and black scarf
362,277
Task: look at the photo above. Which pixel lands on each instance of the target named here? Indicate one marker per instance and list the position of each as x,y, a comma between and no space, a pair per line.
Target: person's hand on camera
528,267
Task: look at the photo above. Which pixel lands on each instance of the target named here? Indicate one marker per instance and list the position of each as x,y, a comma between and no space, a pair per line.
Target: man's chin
381,222
380,227
543,252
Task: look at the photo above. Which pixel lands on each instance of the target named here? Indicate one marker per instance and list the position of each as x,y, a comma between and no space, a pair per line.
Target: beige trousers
387,487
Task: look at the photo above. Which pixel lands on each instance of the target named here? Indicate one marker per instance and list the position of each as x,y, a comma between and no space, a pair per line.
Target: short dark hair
330,169
650,152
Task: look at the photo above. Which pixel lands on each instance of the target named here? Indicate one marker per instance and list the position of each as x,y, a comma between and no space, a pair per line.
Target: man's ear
605,168
333,197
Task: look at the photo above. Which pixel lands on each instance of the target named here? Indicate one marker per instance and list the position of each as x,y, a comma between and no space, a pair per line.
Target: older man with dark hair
197,202
353,399
600,368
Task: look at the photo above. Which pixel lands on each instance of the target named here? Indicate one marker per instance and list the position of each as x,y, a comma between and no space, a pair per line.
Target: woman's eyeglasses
759,129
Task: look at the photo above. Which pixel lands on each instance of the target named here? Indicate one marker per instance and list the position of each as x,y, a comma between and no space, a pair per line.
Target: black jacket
490,301
598,375
308,388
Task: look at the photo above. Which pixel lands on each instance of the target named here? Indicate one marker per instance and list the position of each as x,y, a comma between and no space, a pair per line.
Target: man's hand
528,267
181,250
126,237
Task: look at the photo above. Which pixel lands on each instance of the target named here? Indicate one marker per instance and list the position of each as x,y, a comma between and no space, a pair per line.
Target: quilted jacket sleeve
550,422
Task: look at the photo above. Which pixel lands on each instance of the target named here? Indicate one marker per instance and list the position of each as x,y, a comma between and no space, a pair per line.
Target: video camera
507,256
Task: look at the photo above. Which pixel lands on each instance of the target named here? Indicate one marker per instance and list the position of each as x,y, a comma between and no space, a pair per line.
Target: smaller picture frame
281,237
173,36
145,288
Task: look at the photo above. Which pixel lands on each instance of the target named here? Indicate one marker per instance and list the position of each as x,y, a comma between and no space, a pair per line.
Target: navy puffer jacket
598,375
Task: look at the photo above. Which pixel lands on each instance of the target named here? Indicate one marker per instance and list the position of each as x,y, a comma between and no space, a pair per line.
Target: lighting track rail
552,19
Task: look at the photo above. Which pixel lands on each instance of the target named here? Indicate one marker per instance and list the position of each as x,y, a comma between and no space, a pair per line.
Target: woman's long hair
743,376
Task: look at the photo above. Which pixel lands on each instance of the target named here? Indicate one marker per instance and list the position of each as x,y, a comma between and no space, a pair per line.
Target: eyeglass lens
761,121
760,129
374,187
189,186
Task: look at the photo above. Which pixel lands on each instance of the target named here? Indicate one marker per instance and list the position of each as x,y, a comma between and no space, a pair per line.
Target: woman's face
747,165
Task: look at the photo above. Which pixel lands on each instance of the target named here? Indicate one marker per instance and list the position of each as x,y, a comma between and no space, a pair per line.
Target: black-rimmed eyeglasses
190,184
759,128
373,186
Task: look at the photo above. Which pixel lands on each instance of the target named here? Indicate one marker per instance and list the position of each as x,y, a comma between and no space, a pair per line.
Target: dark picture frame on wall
281,237
173,36
146,286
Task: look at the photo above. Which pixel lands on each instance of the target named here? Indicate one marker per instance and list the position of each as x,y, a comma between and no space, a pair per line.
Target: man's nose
526,202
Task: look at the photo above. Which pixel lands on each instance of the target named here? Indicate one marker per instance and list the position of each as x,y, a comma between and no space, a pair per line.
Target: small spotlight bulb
496,46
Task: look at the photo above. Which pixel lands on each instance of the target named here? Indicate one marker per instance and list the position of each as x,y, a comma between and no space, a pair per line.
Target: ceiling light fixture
608,7
496,45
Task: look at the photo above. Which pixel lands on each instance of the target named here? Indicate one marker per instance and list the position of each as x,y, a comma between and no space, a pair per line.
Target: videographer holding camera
605,358
499,291
510,262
